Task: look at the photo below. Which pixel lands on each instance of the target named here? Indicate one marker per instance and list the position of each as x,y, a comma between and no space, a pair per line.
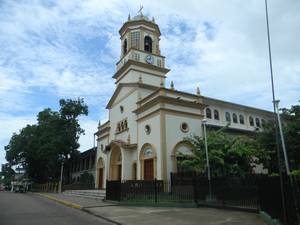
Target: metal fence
78,186
270,198
154,191
251,193
46,187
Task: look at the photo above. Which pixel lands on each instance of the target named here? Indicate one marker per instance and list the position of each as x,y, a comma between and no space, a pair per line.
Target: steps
94,194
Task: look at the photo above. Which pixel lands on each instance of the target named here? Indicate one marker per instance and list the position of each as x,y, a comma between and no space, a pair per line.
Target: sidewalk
131,215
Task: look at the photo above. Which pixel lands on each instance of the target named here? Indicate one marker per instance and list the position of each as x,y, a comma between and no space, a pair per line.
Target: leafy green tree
291,130
7,174
40,148
228,154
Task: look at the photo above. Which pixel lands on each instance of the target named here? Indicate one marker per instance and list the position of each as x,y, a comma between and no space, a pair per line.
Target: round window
184,127
147,129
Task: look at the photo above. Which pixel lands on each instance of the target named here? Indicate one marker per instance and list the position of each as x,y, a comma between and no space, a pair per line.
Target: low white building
147,121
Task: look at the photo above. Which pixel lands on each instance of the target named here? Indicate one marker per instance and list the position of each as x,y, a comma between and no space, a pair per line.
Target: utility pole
276,121
61,177
207,159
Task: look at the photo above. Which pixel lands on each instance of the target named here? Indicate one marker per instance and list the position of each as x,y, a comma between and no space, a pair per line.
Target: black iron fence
237,192
252,192
45,187
154,191
78,186
270,198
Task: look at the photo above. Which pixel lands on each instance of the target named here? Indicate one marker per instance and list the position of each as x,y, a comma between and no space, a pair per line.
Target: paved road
30,209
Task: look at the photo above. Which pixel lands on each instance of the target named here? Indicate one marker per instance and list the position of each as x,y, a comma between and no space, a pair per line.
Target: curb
76,206
66,203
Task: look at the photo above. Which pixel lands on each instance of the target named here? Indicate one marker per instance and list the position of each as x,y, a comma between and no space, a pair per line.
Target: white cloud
69,49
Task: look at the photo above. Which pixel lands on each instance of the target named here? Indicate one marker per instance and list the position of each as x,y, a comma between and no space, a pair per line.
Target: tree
291,130
7,174
228,154
40,148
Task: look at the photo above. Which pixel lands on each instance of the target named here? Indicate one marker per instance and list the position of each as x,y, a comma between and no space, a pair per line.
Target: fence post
155,190
195,190
120,196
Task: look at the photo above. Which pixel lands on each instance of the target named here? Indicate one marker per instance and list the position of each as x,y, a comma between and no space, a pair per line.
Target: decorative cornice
170,100
139,50
129,23
131,62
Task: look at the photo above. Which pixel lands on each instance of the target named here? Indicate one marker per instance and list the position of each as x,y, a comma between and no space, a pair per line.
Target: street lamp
204,122
276,120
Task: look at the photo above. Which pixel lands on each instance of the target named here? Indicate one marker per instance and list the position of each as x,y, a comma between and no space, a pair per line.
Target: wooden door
148,169
100,181
119,172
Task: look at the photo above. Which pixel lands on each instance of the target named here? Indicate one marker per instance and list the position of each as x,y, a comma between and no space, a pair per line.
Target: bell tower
140,52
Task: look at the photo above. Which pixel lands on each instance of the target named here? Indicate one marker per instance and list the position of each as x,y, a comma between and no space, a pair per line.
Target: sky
67,49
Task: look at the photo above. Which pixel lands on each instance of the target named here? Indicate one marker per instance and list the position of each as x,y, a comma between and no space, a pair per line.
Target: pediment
125,88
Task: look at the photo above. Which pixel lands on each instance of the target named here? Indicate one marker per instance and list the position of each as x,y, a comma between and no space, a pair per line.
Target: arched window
125,47
148,44
208,113
242,121
234,118
251,121
257,122
228,117
216,115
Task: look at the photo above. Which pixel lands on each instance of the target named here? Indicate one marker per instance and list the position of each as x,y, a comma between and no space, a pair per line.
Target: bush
295,173
86,178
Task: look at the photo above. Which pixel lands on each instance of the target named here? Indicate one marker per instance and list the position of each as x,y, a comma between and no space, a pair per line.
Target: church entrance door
148,169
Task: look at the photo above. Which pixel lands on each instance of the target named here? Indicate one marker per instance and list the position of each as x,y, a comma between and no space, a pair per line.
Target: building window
148,153
208,113
148,44
234,118
251,121
216,115
228,117
242,121
263,122
122,126
147,129
121,108
135,39
257,122
184,127
125,47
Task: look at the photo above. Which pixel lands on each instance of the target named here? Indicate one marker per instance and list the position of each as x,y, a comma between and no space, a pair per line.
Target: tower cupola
140,48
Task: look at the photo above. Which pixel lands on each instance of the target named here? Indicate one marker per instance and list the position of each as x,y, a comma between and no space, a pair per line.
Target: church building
148,122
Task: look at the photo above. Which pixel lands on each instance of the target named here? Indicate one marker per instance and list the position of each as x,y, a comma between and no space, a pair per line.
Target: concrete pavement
129,215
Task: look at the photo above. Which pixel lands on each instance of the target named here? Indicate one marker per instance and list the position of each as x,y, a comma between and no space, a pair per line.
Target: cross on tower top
140,10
